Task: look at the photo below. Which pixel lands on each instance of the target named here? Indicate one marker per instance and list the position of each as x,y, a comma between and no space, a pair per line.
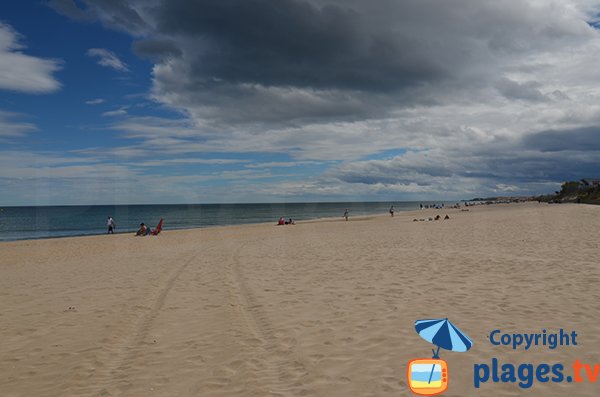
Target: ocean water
21,223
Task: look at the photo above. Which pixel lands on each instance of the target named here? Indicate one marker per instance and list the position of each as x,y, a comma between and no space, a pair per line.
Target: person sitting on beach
437,217
142,230
446,217
281,221
290,222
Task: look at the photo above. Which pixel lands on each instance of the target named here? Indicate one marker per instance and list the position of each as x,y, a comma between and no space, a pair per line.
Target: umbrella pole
435,355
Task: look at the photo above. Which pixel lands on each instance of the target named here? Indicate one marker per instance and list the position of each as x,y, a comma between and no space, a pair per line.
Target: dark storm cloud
156,50
231,105
577,139
357,45
412,52
297,43
272,61
378,46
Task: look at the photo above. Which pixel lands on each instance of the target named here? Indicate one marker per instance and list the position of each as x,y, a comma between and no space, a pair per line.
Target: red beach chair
158,228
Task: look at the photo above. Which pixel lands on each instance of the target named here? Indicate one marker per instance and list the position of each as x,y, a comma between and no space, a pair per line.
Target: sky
230,101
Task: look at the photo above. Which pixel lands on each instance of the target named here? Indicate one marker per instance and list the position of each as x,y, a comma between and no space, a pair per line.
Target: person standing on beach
346,214
392,211
110,223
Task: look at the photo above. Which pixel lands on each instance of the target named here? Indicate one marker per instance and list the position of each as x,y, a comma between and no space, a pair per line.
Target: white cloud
47,178
108,58
114,113
283,164
188,161
96,101
11,128
22,72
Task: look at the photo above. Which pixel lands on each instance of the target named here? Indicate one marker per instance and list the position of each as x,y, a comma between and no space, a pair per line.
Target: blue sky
128,101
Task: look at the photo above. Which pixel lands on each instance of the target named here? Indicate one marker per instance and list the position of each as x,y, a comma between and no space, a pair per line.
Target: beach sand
322,308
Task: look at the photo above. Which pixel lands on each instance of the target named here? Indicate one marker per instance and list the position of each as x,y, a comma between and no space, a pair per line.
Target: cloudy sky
198,101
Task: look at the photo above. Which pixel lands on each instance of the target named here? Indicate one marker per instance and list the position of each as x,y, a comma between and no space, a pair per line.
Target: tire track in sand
118,366
277,368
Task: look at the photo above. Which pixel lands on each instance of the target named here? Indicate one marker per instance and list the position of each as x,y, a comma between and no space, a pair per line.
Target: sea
26,223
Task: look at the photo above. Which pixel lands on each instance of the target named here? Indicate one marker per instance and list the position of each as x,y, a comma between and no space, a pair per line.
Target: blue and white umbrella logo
442,333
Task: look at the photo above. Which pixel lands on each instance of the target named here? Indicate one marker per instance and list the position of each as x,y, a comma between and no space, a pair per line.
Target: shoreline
307,220
303,221
167,230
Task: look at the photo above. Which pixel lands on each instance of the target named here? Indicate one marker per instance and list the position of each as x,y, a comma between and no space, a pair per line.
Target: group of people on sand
436,206
440,206
144,229
437,218
392,210
282,221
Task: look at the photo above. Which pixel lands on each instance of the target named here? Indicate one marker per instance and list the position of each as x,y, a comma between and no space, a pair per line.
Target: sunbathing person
142,230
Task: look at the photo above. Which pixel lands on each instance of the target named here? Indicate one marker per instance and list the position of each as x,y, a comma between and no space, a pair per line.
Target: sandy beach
321,308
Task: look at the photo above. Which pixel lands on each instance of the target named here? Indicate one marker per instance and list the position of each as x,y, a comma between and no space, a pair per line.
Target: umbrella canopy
442,333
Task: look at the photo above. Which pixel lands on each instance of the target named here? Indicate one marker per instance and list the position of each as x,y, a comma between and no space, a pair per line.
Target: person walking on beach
110,223
392,211
346,214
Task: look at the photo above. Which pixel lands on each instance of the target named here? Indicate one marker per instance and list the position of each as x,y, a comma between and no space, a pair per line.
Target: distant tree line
583,191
